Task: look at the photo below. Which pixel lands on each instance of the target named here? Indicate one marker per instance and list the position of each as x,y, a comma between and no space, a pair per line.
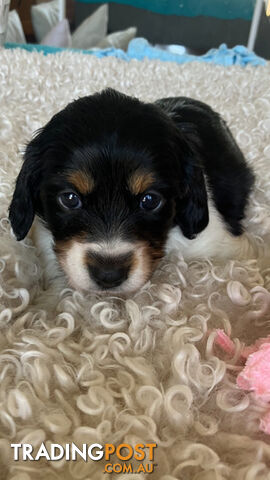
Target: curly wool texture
144,369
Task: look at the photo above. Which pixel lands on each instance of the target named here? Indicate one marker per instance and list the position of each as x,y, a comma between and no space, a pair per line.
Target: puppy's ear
191,206
23,204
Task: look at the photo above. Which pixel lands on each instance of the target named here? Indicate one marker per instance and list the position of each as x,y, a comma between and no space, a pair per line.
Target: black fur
229,179
110,135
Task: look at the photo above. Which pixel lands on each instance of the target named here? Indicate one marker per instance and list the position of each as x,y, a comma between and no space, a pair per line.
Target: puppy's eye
69,200
151,201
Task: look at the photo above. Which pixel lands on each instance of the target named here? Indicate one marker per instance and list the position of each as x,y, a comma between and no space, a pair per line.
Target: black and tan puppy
115,183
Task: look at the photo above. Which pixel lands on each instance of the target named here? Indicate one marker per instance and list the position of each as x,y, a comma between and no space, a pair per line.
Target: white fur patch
215,241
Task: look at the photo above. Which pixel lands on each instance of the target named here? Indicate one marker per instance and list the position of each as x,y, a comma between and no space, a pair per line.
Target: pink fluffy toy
255,375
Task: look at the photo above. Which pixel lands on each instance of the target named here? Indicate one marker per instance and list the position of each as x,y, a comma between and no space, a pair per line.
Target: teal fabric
33,47
139,48
226,9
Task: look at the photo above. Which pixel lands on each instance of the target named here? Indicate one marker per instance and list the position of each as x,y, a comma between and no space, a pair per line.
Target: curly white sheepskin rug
145,369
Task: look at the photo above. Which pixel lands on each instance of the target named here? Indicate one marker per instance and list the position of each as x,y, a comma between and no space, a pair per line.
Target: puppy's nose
109,271
108,276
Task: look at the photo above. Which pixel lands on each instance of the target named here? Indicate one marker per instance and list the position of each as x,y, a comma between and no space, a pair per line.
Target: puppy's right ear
23,204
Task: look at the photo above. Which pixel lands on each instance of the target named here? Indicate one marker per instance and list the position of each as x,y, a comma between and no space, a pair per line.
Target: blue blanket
139,48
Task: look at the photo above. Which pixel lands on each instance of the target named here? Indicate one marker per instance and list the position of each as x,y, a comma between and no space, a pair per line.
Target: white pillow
4,8
45,16
15,32
59,36
92,30
118,39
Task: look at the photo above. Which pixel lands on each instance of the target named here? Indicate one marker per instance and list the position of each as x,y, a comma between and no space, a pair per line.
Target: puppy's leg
53,279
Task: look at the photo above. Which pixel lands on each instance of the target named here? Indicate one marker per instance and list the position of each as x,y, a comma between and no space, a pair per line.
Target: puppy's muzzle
107,271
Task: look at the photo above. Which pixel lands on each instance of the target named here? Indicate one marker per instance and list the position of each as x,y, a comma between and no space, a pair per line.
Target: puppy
116,183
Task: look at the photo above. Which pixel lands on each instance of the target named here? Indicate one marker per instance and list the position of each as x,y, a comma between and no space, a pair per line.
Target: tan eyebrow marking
139,181
82,181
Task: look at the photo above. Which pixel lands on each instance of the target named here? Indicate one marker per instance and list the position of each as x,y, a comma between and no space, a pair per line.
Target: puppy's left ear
191,206
23,204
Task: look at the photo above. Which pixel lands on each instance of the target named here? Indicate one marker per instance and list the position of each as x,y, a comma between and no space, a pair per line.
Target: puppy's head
109,176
